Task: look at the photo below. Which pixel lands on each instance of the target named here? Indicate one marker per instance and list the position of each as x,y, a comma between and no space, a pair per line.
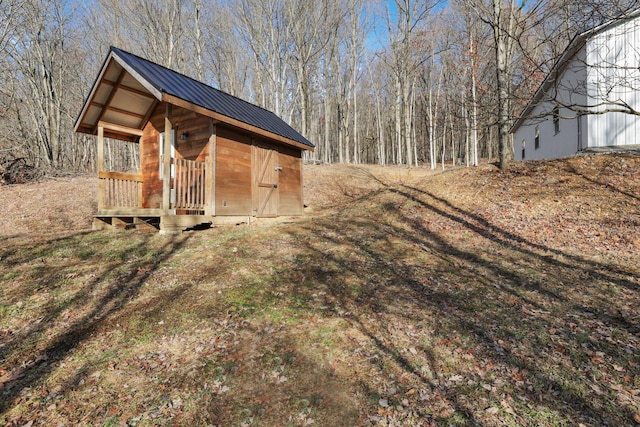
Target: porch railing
118,190
189,185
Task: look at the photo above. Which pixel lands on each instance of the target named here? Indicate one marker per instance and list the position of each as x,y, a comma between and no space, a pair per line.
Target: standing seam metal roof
198,93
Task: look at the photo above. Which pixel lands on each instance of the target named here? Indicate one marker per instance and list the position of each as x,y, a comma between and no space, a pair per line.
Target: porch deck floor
168,224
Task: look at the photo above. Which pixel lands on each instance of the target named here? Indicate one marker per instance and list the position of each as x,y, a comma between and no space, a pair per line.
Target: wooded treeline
393,82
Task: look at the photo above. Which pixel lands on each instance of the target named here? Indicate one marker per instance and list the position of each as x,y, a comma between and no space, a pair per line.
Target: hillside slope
51,205
403,297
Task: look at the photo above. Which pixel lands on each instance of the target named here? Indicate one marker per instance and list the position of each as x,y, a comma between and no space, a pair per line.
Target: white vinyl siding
604,69
615,76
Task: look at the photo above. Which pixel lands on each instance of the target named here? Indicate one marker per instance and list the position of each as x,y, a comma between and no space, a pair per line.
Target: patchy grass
405,297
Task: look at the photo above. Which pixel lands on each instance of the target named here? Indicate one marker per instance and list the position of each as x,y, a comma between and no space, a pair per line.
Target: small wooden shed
205,156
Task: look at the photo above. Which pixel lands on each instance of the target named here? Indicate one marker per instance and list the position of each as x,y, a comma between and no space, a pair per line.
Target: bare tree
262,25
9,16
156,30
42,66
310,26
508,21
395,101
359,26
406,55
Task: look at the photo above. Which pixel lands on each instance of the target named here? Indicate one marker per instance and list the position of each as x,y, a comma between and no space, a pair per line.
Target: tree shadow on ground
31,354
545,318
601,182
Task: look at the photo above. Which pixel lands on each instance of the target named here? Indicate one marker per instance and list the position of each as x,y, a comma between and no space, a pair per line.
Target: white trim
161,154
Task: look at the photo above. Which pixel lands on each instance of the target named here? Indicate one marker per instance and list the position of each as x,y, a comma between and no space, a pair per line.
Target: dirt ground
404,296
51,205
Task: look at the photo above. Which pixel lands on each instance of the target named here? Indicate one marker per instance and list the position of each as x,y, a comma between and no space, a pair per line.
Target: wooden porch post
100,167
140,192
166,183
210,185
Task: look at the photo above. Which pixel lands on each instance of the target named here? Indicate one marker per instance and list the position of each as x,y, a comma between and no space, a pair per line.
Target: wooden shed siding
195,147
289,178
233,173
149,160
290,183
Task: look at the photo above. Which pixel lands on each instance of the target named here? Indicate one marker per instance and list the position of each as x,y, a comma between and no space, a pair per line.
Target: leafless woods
397,81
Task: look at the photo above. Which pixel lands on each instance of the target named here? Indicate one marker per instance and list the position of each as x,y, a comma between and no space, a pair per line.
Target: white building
591,97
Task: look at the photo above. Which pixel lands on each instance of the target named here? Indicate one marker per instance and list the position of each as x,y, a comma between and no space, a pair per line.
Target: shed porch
187,188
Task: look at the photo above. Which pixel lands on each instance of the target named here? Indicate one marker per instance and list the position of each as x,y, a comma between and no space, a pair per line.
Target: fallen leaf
617,387
507,407
596,389
18,373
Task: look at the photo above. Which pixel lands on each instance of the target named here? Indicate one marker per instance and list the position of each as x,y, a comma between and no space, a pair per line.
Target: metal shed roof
128,86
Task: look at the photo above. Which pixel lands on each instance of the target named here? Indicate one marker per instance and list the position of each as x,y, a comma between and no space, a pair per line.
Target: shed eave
89,125
156,92
87,102
174,100
108,102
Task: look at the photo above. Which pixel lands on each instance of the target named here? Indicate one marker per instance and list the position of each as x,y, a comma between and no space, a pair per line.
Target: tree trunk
503,55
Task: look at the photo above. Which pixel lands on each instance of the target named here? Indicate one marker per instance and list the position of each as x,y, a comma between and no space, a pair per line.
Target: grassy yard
404,297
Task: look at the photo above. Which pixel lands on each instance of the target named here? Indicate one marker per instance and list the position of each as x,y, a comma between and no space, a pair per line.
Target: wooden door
265,184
